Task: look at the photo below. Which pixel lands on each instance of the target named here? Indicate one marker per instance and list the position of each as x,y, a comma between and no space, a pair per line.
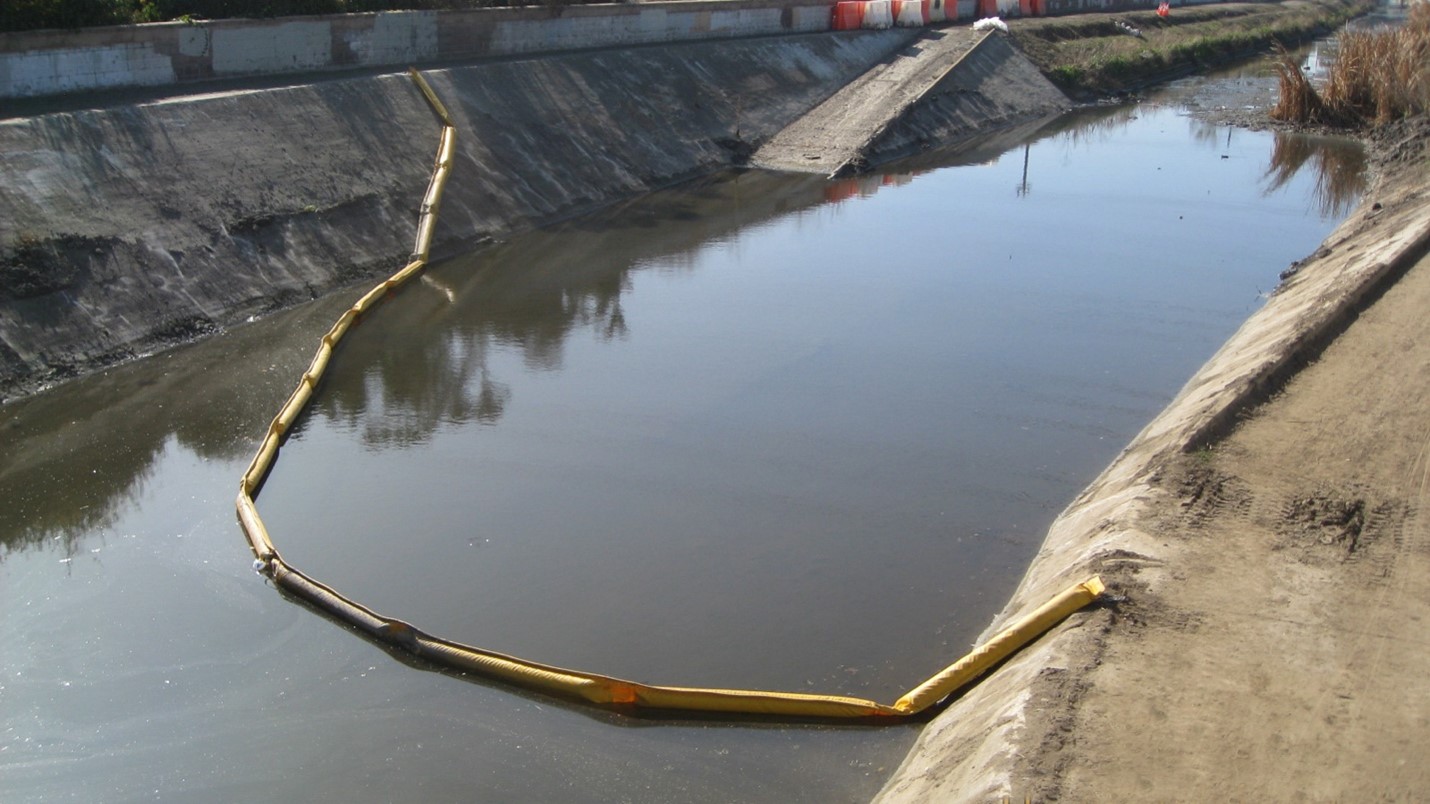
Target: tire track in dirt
1305,563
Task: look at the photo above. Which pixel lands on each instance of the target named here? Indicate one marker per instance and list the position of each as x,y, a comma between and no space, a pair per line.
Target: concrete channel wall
40,63
947,85
43,63
126,228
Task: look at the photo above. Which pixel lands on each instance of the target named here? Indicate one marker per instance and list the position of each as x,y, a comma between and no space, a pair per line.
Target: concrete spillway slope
946,84
123,228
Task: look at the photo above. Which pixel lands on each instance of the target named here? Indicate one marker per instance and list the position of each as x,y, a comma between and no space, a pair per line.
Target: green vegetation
1376,78
1089,56
1204,457
1067,75
25,15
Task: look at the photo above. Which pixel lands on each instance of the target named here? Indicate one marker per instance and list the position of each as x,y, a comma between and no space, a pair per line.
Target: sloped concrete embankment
946,85
123,229
1004,735
992,87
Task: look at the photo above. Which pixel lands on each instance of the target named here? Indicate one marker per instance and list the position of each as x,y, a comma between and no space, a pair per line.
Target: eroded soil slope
1265,544
1285,655
1278,651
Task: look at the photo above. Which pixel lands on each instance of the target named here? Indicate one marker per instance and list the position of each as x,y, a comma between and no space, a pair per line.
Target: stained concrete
946,84
123,229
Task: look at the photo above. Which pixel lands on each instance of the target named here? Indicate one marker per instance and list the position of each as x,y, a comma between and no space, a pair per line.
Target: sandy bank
1263,534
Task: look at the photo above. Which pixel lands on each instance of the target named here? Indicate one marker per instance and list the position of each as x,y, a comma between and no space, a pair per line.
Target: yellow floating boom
590,687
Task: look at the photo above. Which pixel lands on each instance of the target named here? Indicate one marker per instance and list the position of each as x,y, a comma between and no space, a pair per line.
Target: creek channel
760,431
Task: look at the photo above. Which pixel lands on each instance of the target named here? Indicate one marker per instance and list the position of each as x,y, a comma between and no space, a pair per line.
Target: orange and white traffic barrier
848,15
878,14
910,13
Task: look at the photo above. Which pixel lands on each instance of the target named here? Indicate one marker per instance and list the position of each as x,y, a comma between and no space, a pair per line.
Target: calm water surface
764,431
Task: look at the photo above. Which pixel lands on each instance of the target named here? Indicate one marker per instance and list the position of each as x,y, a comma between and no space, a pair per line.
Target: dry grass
1377,78
1298,100
1088,56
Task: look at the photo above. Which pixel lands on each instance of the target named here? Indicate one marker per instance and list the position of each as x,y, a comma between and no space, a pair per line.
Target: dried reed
1377,77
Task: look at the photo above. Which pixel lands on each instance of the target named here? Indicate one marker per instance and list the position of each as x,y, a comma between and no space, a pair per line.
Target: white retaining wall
39,63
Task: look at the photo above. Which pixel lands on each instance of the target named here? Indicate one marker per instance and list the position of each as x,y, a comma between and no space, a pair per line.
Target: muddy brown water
764,431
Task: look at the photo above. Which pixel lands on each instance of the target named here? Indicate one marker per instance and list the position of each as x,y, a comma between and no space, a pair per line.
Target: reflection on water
67,470
75,457
432,366
763,430
677,403
1338,166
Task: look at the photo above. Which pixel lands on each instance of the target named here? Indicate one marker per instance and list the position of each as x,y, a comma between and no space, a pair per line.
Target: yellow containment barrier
590,687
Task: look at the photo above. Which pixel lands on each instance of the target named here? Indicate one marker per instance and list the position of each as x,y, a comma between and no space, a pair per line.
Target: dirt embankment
1267,549
1272,646
1267,555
